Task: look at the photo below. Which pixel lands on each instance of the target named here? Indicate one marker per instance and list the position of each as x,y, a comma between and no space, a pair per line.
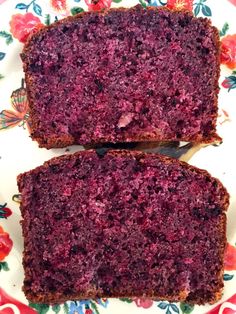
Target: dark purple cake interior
126,75
123,224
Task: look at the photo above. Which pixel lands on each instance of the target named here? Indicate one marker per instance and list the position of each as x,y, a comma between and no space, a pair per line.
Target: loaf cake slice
123,75
123,224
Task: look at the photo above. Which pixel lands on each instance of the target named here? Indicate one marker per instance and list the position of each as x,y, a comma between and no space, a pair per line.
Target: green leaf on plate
186,308
224,29
94,307
231,81
47,19
1,76
21,6
41,308
197,9
4,266
2,55
163,305
127,300
116,1
174,307
143,3
206,10
66,308
76,10
56,308
8,37
228,277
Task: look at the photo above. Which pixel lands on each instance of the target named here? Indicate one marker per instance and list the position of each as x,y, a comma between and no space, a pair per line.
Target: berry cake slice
123,75
123,224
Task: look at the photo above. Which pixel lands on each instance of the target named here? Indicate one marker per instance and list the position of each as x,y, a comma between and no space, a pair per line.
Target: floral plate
18,153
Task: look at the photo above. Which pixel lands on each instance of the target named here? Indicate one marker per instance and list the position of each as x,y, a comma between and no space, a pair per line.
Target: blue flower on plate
103,302
77,307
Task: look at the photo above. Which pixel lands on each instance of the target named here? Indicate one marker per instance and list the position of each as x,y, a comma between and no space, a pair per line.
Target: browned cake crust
56,297
56,141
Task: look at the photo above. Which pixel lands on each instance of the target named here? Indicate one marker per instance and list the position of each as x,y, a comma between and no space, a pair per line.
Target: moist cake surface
123,75
122,224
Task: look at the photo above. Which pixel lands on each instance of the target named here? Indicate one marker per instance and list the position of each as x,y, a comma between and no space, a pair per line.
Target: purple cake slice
123,75
123,224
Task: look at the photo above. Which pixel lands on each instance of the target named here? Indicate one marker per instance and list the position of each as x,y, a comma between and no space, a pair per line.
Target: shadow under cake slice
122,224
123,75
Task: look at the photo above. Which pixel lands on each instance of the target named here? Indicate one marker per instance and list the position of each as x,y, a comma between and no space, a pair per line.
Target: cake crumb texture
123,75
122,224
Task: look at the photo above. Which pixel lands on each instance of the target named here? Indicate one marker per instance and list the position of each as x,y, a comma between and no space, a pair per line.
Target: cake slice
123,75
123,224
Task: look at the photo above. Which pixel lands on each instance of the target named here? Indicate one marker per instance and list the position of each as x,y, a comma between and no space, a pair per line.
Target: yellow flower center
180,4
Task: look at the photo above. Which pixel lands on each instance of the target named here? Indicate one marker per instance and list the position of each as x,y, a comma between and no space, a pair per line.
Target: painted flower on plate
226,83
58,5
227,307
5,212
228,51
233,2
21,25
144,303
5,244
180,4
9,305
97,5
230,81
230,257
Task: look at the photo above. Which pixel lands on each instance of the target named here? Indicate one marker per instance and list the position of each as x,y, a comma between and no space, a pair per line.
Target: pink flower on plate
230,257
230,81
97,5
24,24
228,51
144,303
58,5
226,83
233,2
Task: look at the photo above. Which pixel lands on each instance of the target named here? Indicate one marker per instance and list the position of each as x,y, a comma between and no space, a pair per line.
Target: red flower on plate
58,5
180,4
230,81
226,83
9,305
227,307
24,24
5,211
97,5
144,303
230,257
228,51
5,244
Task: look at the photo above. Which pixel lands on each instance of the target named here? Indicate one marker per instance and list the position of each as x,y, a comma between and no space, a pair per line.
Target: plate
18,153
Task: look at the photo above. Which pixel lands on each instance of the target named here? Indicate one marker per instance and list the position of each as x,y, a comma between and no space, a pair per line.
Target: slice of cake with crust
123,224
123,75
